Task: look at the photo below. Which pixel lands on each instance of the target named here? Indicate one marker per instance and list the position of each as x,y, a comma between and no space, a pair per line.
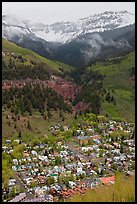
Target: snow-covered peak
108,20
66,31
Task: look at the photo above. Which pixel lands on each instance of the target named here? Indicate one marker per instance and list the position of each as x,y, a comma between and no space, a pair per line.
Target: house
12,182
29,159
34,153
64,153
23,159
79,169
26,154
79,164
82,139
41,179
62,168
14,168
117,145
8,141
93,155
109,160
92,185
90,130
57,187
85,149
35,159
3,54
116,158
80,132
36,147
18,141
65,128
92,172
129,173
96,141
15,161
28,180
39,192
59,143
10,151
43,158
116,151
41,146
98,137
95,147
4,148
122,157
46,188
129,142
56,169
71,184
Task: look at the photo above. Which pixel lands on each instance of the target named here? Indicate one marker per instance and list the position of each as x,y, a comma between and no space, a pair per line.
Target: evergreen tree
108,97
29,126
76,115
19,135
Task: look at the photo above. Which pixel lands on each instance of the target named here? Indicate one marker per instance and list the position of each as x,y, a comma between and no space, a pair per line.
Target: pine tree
49,114
29,126
19,135
76,115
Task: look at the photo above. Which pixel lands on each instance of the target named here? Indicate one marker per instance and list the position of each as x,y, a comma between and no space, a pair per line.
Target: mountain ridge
64,32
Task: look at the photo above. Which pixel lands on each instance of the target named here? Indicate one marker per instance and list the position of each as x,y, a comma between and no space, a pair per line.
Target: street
21,184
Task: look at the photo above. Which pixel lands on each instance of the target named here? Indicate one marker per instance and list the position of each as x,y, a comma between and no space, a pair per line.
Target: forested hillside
119,84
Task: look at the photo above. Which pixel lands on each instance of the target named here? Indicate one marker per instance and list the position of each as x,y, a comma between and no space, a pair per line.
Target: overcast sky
50,12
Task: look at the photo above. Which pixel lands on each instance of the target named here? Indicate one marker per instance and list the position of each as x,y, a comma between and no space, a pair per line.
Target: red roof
106,180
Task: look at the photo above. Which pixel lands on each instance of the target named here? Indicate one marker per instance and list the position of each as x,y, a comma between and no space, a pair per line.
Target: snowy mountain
66,31
76,43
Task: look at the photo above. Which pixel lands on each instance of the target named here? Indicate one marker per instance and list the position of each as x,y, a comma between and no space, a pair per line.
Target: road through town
22,186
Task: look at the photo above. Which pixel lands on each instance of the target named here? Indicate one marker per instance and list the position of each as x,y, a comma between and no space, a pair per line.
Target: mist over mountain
77,43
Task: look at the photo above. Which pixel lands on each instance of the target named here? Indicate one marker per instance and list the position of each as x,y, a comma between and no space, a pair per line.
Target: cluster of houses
69,170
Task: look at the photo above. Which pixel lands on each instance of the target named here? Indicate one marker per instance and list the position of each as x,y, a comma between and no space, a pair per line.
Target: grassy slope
39,126
10,47
117,78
